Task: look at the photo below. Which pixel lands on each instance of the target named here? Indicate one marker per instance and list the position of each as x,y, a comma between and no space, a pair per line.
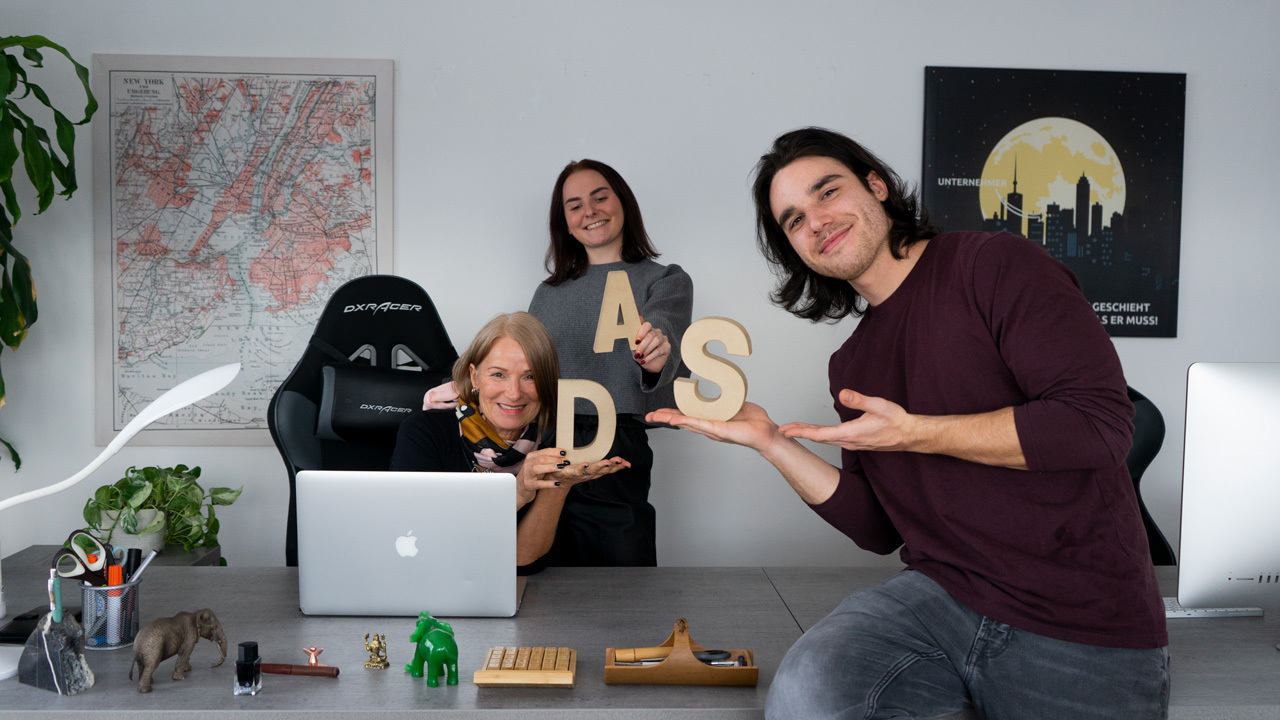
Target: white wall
492,98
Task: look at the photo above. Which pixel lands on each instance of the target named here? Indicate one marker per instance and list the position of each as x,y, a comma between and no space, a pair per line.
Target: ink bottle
248,670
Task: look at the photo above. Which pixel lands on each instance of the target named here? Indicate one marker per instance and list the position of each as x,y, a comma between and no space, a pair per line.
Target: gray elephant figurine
436,648
163,638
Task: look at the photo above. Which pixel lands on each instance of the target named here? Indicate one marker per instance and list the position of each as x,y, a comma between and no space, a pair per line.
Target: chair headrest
360,403
381,312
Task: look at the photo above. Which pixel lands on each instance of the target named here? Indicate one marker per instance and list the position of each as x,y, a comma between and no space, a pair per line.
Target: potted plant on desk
152,507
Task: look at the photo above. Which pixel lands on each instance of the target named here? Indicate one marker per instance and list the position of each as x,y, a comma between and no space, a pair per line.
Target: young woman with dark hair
596,228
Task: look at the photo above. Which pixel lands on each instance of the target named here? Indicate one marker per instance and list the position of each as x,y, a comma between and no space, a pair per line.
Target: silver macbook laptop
398,543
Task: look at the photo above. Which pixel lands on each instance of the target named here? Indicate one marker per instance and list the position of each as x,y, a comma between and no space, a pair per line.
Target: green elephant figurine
436,649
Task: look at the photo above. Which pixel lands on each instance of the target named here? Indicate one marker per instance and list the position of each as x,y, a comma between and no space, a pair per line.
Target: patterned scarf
489,452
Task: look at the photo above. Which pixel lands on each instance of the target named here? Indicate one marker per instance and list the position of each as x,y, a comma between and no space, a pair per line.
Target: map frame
106,336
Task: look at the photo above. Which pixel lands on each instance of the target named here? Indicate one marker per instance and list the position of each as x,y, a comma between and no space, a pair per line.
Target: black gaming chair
378,346
1148,436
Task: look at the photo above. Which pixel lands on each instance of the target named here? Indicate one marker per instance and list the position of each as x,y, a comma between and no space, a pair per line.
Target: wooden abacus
527,667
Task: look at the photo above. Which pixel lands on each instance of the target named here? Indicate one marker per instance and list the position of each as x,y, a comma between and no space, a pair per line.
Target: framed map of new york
231,197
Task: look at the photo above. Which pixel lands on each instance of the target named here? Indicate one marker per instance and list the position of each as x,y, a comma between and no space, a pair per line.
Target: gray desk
1221,668
585,609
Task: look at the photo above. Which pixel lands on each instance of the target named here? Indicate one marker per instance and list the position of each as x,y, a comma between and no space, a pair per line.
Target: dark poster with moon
1088,164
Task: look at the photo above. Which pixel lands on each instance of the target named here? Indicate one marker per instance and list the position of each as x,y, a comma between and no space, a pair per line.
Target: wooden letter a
617,298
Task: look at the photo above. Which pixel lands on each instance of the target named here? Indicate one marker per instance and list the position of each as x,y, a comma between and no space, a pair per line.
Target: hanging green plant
22,137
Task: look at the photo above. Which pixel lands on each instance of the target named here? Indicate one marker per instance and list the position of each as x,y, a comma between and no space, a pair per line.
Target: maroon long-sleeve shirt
983,322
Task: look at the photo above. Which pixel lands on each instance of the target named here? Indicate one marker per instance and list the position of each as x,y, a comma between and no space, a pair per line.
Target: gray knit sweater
664,296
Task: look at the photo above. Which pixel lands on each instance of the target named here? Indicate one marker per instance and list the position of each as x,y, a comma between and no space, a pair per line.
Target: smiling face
837,227
594,215
504,387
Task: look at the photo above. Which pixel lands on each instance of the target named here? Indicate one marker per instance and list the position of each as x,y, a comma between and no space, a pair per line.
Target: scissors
85,557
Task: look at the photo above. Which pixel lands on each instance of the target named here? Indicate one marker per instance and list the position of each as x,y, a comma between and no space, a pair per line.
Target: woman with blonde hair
506,382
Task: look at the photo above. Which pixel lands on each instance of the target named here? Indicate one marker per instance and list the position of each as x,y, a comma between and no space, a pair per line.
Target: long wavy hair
566,258
801,291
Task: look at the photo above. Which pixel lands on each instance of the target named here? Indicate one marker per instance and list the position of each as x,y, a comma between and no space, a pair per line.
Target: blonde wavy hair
532,336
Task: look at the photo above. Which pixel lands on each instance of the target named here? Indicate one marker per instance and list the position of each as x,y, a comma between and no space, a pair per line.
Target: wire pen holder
110,615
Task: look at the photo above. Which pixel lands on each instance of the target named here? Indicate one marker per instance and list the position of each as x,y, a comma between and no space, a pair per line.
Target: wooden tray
679,666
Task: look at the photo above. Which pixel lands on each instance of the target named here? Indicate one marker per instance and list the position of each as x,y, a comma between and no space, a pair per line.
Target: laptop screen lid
399,543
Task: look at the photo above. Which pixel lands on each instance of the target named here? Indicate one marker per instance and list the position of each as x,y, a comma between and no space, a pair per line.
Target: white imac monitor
1230,538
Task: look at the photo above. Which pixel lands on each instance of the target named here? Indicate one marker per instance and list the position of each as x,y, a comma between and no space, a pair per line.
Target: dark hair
566,258
801,291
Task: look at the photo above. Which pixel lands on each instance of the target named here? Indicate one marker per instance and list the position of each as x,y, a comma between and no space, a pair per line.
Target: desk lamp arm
181,395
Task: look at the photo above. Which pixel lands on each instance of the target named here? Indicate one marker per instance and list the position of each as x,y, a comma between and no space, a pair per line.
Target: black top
429,441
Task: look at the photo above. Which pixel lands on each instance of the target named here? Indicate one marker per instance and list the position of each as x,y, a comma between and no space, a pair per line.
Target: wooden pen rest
679,666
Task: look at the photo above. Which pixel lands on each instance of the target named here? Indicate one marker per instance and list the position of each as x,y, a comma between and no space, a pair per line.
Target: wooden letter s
732,382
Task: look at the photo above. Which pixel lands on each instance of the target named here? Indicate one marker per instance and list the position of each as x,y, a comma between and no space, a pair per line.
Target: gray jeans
907,649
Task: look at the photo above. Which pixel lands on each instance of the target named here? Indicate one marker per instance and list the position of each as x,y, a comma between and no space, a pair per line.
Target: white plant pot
122,539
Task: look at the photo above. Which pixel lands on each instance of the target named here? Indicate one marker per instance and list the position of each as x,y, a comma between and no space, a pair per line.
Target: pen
55,596
314,670
115,578
133,558
143,566
630,655
654,661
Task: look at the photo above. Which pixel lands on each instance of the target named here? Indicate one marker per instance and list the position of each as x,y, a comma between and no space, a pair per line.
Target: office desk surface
587,609
1222,668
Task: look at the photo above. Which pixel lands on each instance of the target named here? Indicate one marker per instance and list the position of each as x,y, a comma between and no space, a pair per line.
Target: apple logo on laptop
407,545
